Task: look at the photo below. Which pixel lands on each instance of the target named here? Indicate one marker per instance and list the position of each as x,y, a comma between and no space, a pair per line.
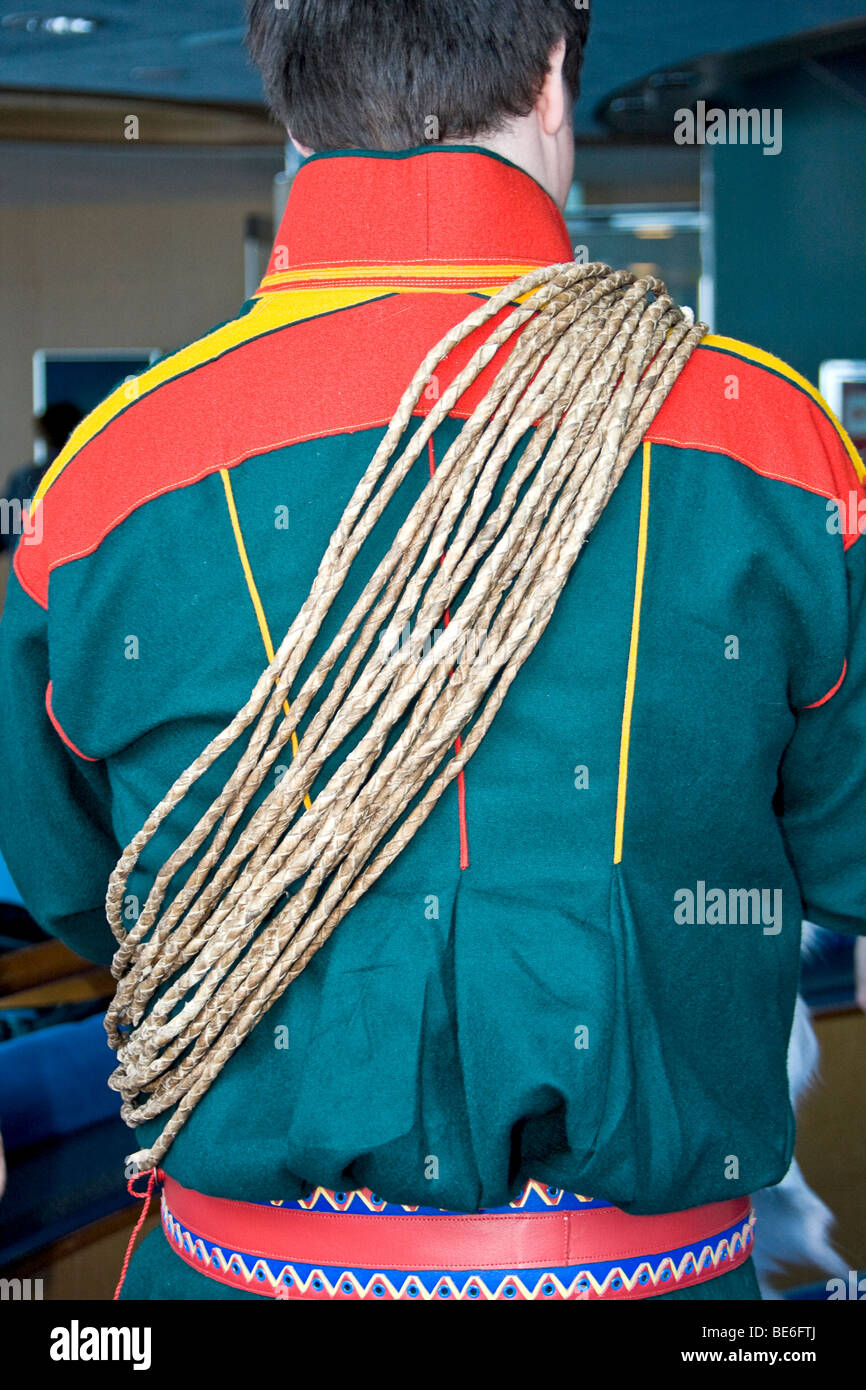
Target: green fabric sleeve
54,831
823,781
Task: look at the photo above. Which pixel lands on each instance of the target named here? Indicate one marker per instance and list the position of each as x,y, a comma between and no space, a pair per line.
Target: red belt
445,1242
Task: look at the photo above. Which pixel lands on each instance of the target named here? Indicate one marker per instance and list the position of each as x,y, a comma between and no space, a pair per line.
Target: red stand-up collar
441,206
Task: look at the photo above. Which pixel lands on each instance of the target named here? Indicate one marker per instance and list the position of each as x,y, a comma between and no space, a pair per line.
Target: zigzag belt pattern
636,1276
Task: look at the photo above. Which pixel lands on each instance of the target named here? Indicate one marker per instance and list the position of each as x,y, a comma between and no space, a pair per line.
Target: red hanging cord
152,1174
461,780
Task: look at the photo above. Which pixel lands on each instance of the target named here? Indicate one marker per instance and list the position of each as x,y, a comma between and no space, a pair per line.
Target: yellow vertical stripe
632,654
254,593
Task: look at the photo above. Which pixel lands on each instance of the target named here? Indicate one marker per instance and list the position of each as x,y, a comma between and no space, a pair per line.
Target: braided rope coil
593,355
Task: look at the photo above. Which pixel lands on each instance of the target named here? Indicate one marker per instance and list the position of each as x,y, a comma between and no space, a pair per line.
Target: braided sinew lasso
593,357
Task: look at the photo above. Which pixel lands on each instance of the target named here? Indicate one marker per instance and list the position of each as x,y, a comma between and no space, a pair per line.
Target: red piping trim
830,693
59,728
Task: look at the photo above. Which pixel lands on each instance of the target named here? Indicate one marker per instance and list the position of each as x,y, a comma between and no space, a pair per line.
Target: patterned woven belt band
547,1244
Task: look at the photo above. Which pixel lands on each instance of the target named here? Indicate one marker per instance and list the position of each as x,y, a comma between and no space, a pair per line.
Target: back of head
372,74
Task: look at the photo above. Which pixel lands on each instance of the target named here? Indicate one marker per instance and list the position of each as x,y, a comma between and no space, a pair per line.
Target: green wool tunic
601,998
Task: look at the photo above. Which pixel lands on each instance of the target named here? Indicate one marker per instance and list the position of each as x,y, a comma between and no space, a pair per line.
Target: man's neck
519,142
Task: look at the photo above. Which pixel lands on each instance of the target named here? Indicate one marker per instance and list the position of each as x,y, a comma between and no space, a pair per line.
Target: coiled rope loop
595,354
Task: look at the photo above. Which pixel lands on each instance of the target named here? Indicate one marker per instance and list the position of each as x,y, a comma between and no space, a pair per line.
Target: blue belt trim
534,1197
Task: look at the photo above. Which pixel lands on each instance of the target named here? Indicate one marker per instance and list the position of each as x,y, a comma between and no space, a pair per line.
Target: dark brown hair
380,74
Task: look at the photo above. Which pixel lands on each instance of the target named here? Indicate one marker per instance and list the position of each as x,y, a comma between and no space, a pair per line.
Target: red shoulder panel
345,371
334,374
756,409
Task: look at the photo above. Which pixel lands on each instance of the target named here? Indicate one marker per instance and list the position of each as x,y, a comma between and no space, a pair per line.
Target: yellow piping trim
766,359
385,270
379,288
632,654
254,593
270,312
